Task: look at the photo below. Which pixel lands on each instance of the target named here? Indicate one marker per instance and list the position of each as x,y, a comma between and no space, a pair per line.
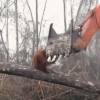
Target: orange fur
40,61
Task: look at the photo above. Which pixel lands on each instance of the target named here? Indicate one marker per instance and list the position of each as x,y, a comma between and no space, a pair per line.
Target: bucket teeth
56,55
54,58
49,59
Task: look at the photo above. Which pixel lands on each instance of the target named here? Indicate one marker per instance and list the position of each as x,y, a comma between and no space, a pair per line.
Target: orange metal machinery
90,25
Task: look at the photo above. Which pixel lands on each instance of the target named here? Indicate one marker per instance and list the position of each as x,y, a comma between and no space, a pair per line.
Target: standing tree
42,17
17,40
37,25
7,39
33,25
64,3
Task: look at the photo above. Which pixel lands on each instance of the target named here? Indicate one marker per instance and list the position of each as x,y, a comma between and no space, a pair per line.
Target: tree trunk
17,40
53,77
33,41
42,17
37,24
7,39
64,3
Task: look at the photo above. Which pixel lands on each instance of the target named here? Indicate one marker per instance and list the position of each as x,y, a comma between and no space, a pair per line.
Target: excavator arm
89,26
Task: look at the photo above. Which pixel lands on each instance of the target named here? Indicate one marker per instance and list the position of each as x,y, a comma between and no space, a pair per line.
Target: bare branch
5,6
3,43
33,25
42,17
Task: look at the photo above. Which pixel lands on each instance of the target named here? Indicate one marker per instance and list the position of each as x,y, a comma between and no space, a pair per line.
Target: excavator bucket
57,43
90,25
81,36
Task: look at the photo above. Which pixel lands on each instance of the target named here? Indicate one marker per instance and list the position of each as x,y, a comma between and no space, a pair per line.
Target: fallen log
53,77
